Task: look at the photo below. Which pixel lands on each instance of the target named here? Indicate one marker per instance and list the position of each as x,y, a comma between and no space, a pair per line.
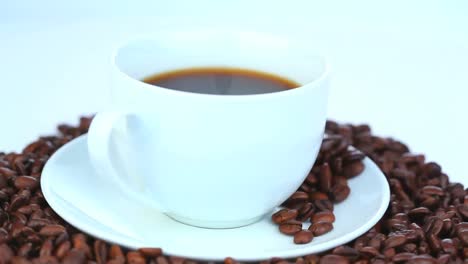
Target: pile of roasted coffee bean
326,184
426,222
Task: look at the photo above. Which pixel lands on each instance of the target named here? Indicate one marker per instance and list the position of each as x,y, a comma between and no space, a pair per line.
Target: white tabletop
402,68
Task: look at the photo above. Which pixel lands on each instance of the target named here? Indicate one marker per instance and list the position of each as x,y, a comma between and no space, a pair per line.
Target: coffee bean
448,246
434,242
6,253
419,212
151,252
333,259
26,182
290,227
389,253
303,237
463,211
299,197
115,252
306,211
353,169
324,205
325,177
318,196
369,252
320,228
311,179
134,257
284,215
402,257
432,190
394,241
79,242
324,216
38,223
353,155
63,249
25,250
20,260
463,236
17,202
100,251
350,253
52,230
74,256
339,192
423,259
436,226
443,259
164,260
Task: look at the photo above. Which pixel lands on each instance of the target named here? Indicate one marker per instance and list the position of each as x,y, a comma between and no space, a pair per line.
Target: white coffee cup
213,161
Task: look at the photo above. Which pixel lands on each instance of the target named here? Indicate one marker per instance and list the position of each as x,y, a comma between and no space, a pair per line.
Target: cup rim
313,84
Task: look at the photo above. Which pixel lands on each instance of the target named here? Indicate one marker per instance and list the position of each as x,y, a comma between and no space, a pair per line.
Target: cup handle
99,140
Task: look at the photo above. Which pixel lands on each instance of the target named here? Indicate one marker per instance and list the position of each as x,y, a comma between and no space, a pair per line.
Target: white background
401,66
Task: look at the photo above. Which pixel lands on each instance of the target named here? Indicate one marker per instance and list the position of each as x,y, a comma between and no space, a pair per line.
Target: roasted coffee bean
320,228
63,249
134,257
324,205
376,241
436,226
298,197
46,248
52,230
432,190
419,212
346,251
353,169
25,249
353,155
318,196
306,211
333,259
324,216
448,246
434,242
369,252
115,252
402,257
100,251
290,227
303,237
311,179
6,253
463,236
422,259
151,252
443,259
394,241
38,223
463,211
74,256
26,182
389,253
284,215
79,242
20,260
339,192
325,177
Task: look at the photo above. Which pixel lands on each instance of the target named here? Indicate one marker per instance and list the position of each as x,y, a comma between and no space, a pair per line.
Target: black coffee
222,81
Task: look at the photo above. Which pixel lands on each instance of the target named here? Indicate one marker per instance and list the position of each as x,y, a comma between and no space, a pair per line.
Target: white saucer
97,207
